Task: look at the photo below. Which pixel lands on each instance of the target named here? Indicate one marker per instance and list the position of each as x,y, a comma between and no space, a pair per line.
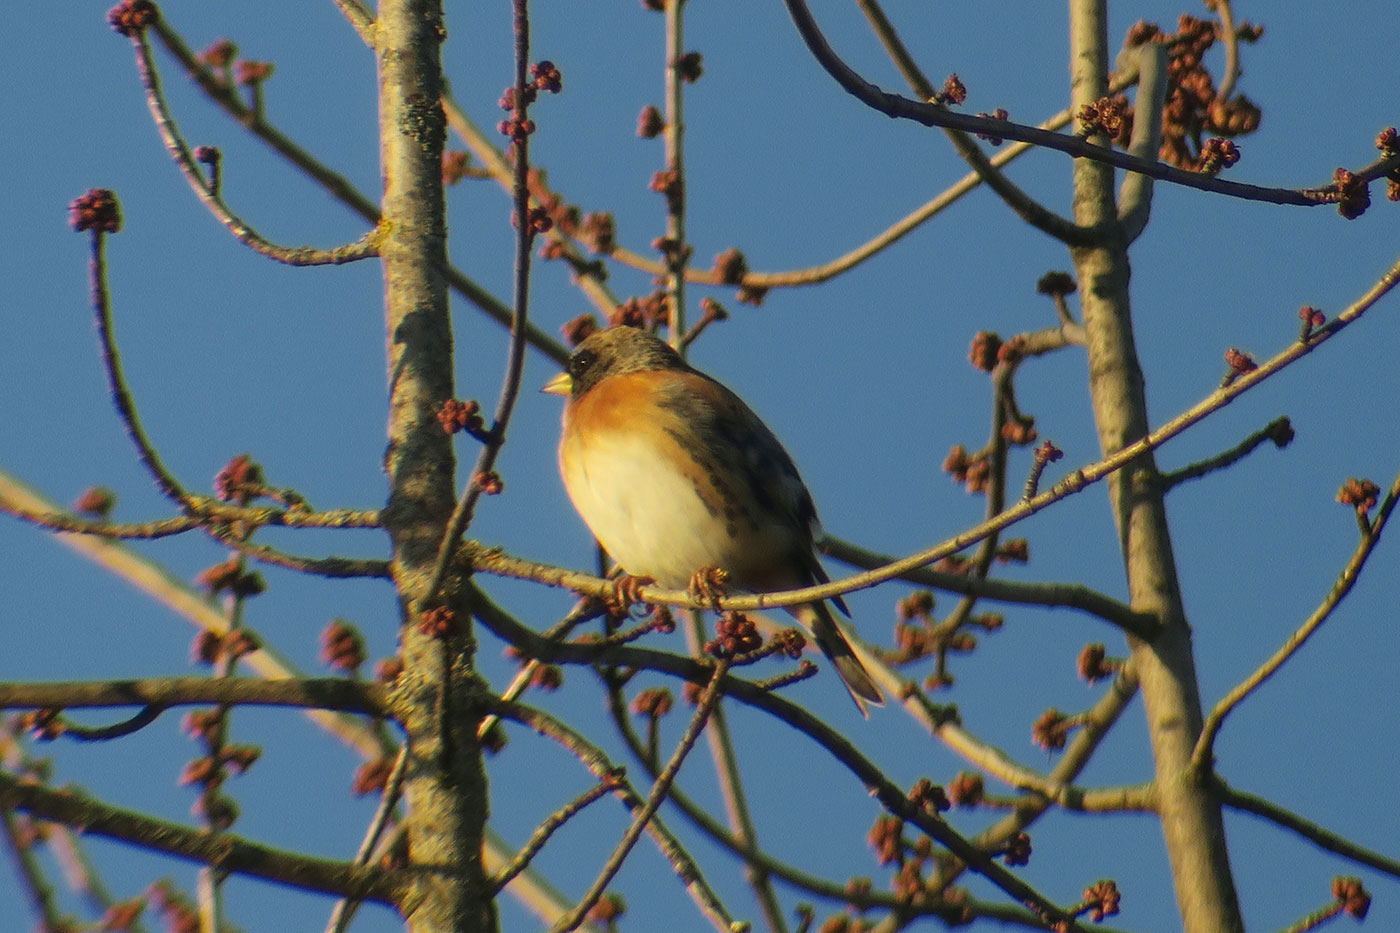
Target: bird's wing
722,422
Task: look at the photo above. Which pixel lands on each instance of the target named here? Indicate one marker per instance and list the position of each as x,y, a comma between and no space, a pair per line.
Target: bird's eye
579,363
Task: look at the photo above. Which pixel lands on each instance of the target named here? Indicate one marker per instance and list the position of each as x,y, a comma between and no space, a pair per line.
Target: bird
677,478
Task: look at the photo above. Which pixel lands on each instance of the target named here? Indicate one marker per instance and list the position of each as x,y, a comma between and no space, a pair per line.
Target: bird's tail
833,644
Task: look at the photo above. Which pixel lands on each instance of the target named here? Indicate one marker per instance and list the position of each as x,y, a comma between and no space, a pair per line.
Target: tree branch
326,693
893,105
1279,431
333,183
224,852
889,795
1135,191
598,764
1024,206
208,192
495,561
659,789
1332,842
116,382
1049,595
1202,757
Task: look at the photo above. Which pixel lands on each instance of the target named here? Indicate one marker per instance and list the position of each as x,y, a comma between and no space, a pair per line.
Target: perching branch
493,560
835,744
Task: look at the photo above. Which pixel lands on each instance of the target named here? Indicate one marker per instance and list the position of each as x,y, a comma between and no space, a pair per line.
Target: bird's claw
625,592
707,585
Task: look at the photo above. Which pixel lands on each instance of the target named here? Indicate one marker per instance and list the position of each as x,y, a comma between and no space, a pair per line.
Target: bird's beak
559,385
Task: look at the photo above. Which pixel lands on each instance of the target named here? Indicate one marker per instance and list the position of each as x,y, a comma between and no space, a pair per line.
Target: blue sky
865,379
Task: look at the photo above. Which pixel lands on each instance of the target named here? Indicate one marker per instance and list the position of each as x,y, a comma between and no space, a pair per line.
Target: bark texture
1190,815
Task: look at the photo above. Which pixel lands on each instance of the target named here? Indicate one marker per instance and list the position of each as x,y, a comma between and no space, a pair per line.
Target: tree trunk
445,784
1190,816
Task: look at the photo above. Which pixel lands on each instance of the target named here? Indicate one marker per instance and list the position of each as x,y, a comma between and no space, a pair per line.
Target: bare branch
1279,431
207,190
1332,842
598,764
1025,206
334,184
515,356
31,872
1135,192
659,788
225,852
333,567
1202,757
360,19
880,787
935,116
545,830
116,382
389,796
326,693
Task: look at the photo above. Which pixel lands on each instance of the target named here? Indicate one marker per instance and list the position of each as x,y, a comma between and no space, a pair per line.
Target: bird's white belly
651,519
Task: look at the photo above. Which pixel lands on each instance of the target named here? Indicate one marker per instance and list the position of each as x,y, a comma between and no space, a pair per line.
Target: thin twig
345,908
659,790
334,184
583,610
31,872
360,19
515,356
1277,431
1202,756
167,527
116,382
840,892
1026,207
69,524
684,866
363,248
1077,754
835,744
333,567
545,830
210,882
141,720
1230,38
591,275
1326,839
158,583
326,693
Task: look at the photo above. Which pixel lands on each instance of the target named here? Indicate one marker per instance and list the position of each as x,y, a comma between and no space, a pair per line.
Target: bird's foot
625,592
707,585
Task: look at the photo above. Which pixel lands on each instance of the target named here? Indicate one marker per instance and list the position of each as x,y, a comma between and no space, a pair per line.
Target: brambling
677,477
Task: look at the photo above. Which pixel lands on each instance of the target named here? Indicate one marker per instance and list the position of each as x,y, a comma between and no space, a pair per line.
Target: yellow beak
559,385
